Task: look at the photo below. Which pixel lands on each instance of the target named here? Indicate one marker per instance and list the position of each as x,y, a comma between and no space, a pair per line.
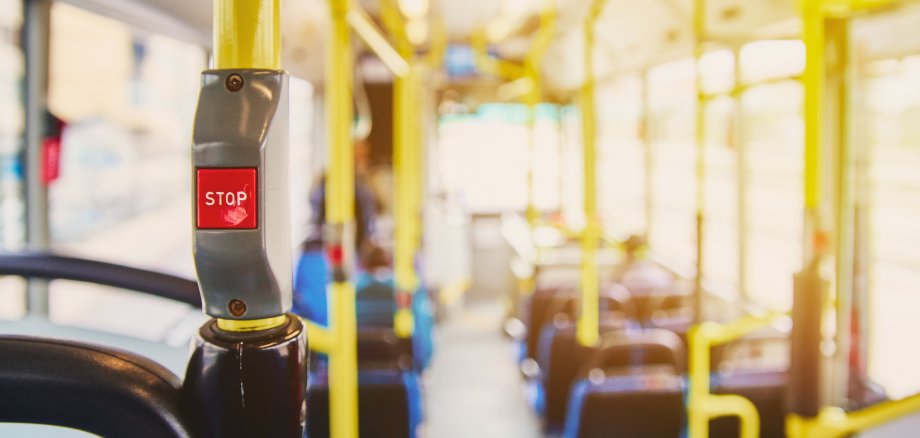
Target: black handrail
96,389
57,267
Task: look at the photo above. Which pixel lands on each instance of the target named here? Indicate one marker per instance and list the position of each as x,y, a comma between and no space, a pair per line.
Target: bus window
892,94
720,236
129,99
720,267
484,157
773,127
12,209
125,159
621,157
572,202
672,227
773,131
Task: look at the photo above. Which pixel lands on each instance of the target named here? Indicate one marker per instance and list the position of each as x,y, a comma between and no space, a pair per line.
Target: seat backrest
389,404
375,304
765,388
536,314
96,389
641,347
381,348
561,357
634,404
610,304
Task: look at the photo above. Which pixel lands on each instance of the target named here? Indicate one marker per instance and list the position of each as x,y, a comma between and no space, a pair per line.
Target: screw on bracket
237,308
234,82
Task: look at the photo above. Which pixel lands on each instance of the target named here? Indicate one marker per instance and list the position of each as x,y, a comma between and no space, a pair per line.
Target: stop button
227,198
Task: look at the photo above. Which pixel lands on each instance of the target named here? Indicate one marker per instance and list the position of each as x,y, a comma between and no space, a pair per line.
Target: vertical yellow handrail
247,34
813,35
699,33
343,363
531,71
406,173
588,319
741,169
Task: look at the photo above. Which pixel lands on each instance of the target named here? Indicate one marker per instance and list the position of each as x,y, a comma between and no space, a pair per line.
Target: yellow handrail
407,172
365,28
531,71
587,330
702,405
479,42
343,362
247,34
435,56
834,422
699,32
321,339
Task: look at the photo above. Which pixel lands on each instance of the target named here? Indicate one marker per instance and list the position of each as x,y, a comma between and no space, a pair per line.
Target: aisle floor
474,388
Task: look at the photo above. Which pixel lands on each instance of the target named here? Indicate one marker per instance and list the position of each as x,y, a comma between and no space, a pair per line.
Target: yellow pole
247,34
699,32
814,115
588,320
340,189
405,172
533,97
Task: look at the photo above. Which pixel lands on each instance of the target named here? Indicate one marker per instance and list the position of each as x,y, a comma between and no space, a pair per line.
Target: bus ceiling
631,35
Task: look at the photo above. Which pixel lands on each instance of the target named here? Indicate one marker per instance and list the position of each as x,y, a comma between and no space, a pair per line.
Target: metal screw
234,82
237,307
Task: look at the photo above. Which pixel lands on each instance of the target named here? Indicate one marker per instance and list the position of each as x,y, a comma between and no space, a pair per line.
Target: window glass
621,157
485,157
774,144
12,208
672,102
892,97
123,193
129,99
572,172
720,266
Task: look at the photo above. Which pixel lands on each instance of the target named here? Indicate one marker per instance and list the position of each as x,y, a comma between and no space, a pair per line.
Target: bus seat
536,314
423,339
389,404
765,388
617,349
627,404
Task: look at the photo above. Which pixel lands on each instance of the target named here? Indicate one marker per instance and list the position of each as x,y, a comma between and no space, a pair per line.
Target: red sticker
227,198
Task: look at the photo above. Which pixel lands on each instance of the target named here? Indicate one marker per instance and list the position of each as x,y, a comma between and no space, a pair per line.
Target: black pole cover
248,384
805,361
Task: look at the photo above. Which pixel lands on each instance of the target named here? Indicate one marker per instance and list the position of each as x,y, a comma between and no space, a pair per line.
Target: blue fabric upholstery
390,403
310,280
636,404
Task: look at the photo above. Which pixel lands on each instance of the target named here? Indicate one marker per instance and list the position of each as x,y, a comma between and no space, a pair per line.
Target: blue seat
389,403
374,303
765,388
635,404
650,402
622,354
310,280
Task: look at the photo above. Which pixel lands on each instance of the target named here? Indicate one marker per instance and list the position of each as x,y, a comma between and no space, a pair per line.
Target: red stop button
227,198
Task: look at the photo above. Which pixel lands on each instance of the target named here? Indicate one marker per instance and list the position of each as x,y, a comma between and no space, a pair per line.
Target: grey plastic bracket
243,126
